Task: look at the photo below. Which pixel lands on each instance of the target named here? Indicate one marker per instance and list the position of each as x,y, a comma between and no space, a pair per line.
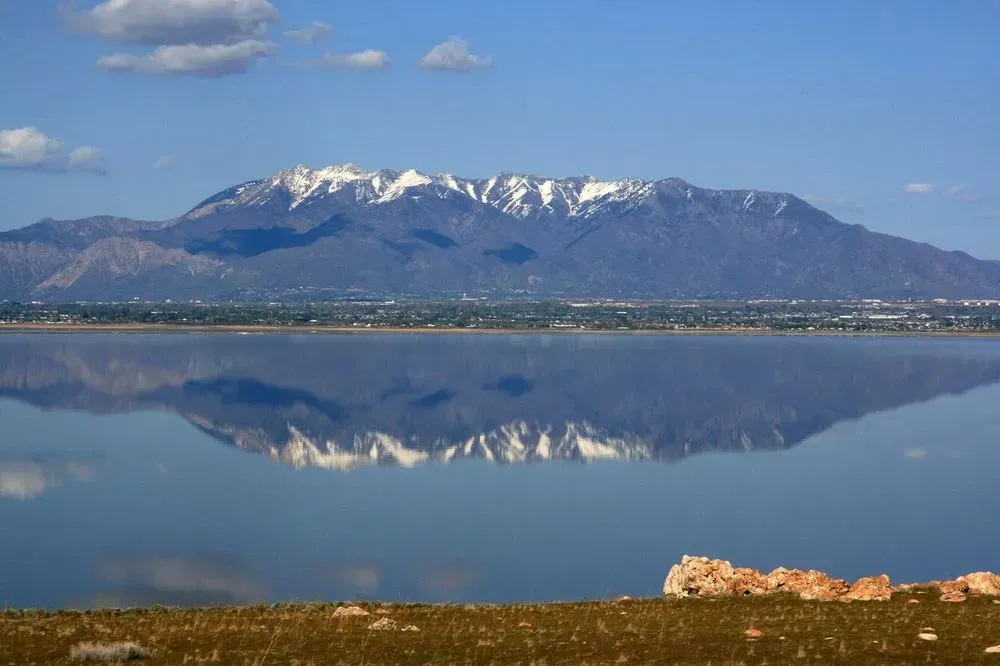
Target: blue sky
845,102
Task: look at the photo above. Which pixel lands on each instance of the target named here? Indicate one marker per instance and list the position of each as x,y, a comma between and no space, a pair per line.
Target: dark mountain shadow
253,242
515,253
513,385
250,392
435,238
434,399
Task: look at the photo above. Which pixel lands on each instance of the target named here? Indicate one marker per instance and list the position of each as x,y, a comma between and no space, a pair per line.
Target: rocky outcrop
746,582
810,585
871,588
699,577
980,582
703,577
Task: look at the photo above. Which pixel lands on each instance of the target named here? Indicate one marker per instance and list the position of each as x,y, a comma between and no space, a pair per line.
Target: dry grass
651,631
114,652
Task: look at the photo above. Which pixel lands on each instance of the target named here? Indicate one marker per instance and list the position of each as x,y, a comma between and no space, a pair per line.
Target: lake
207,468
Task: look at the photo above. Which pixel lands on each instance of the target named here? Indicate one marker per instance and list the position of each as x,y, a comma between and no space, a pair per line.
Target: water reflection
174,580
28,478
133,453
350,401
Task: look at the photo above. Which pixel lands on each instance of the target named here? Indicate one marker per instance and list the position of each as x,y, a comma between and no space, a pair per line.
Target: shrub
117,651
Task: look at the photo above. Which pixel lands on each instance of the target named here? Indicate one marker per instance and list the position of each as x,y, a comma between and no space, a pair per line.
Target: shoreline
262,329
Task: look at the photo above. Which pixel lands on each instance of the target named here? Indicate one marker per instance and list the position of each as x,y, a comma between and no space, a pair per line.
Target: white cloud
363,60
453,56
26,146
918,188
312,34
164,162
30,149
191,59
962,193
993,215
85,157
167,22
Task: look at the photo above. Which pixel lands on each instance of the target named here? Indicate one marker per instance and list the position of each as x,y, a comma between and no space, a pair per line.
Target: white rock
350,611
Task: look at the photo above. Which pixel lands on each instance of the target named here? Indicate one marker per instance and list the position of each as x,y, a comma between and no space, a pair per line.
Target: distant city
857,316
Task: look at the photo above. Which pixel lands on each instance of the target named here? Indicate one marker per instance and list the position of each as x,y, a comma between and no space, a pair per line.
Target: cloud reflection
29,479
23,480
448,579
174,580
365,577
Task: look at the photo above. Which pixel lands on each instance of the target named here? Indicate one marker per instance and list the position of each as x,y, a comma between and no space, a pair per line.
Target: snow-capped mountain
512,194
347,231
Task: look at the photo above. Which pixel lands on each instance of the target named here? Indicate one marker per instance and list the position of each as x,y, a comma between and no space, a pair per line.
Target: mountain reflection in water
341,402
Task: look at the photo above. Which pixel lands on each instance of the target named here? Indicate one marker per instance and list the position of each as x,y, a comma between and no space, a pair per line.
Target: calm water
195,469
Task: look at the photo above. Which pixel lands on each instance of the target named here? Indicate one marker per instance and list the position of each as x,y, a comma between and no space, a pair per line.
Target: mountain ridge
344,230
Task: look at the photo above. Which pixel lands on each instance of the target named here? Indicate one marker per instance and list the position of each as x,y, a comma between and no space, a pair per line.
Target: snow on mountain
514,194
511,443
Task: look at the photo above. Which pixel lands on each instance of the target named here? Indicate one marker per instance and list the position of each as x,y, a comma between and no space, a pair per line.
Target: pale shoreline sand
348,330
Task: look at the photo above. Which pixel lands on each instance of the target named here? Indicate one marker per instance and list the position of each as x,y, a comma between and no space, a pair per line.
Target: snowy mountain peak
519,195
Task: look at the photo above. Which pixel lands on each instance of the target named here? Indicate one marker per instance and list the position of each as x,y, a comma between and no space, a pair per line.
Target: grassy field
652,631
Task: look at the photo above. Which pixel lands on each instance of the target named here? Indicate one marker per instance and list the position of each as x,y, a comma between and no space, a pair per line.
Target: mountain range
342,402
343,231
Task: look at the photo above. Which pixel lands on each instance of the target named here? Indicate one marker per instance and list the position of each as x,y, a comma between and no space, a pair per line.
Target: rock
871,588
951,586
410,627
524,625
983,582
698,577
811,585
994,649
625,598
953,596
913,601
746,582
382,611
753,633
350,611
384,624
979,582
927,636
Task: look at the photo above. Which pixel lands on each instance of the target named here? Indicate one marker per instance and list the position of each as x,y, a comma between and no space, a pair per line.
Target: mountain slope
344,230
121,260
